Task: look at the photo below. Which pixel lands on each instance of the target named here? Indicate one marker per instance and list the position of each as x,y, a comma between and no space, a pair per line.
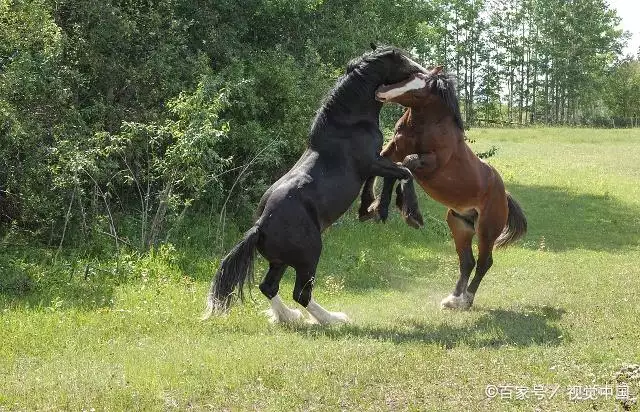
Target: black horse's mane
374,56
360,74
445,86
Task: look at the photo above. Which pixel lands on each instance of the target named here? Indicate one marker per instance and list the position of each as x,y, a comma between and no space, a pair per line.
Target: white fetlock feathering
464,301
324,317
280,313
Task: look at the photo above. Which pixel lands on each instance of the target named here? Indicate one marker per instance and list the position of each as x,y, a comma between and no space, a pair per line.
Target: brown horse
429,140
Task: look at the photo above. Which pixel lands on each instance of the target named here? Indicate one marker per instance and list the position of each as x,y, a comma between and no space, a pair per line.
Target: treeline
535,61
120,118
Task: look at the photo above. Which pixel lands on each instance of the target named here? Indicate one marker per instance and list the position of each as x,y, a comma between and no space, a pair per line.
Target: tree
623,99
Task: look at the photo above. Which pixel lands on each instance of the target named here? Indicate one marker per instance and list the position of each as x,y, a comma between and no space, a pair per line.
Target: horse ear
435,71
373,46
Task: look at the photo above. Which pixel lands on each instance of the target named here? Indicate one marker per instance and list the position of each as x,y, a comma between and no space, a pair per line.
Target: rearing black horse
343,151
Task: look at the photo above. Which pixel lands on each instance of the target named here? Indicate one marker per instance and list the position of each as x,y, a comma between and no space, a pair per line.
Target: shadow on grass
392,255
560,220
529,326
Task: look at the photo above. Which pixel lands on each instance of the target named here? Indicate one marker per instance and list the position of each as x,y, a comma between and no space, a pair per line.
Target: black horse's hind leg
305,278
463,231
271,283
269,287
366,200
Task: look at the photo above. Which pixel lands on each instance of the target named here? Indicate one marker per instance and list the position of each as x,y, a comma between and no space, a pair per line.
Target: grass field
558,312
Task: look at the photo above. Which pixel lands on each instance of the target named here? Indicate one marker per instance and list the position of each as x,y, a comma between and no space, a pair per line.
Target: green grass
559,308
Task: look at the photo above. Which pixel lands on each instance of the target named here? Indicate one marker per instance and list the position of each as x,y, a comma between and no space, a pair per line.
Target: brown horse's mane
445,85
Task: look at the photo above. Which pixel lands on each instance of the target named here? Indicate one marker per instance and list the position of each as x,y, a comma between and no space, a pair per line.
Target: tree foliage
118,117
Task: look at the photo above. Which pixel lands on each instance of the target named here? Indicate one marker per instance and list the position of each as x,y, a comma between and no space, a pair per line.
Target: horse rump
516,226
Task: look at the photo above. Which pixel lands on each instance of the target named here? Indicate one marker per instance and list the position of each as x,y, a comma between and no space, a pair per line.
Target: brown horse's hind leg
490,225
485,260
462,230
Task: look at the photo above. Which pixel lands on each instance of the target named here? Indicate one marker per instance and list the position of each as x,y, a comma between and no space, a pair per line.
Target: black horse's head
386,65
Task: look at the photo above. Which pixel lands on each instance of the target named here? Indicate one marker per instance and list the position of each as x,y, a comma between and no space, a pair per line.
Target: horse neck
353,99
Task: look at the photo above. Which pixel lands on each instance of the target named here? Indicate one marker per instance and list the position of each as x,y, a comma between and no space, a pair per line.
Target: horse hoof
363,217
339,317
462,302
333,318
375,213
412,162
288,316
415,221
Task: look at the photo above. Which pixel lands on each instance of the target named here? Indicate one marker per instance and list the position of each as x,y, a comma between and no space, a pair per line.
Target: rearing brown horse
429,140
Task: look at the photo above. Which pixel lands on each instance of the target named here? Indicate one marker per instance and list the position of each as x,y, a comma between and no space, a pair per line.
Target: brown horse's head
420,90
412,91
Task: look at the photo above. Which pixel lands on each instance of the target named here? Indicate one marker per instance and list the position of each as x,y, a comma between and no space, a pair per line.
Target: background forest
121,120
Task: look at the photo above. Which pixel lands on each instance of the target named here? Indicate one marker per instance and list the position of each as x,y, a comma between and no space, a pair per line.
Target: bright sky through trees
629,10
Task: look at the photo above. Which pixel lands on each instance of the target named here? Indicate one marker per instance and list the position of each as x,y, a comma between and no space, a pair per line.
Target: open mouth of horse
389,91
382,90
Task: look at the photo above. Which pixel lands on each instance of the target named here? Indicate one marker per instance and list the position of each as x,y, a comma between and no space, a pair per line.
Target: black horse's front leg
384,167
406,198
379,209
367,198
407,202
391,172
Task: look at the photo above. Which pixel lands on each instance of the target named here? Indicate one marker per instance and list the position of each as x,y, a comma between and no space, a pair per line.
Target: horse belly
336,197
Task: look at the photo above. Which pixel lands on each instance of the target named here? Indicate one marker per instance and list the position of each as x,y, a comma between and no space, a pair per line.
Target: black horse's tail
235,270
516,224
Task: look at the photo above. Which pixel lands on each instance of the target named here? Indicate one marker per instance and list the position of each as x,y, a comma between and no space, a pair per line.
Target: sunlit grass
559,308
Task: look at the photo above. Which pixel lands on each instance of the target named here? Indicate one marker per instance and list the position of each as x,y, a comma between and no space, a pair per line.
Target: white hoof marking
324,317
463,301
280,313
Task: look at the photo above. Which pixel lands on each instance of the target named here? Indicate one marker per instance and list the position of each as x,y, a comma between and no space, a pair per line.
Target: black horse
343,151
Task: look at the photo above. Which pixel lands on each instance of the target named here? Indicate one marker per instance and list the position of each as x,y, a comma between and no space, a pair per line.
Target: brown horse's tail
516,225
